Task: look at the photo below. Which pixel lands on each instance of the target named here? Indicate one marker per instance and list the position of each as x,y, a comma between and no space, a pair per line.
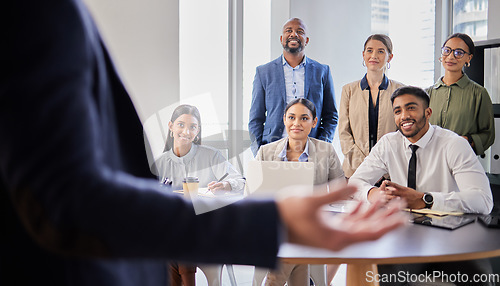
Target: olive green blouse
464,107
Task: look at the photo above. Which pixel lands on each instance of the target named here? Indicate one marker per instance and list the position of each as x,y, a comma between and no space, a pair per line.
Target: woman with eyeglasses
458,103
365,105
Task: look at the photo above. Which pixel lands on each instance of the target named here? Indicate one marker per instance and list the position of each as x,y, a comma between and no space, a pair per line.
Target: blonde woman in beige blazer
365,100
299,119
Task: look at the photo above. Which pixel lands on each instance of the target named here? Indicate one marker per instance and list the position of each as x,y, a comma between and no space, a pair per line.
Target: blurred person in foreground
77,205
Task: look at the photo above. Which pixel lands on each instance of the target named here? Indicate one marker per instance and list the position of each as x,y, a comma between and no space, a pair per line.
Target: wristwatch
469,138
428,200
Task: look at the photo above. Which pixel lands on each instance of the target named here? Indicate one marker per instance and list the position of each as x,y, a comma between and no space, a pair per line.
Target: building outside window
410,25
471,17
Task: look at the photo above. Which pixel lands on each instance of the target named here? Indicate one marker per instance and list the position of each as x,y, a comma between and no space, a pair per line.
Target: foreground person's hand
305,224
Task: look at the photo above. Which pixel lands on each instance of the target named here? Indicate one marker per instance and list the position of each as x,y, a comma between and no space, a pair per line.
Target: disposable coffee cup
190,186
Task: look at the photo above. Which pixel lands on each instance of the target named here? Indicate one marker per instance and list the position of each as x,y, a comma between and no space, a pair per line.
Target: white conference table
409,244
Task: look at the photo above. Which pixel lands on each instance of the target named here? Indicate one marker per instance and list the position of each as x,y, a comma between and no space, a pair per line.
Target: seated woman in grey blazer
300,118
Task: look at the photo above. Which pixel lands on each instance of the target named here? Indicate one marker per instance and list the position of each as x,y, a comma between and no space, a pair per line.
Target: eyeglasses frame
452,51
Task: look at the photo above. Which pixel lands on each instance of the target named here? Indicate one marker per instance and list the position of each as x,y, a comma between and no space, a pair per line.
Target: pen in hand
223,177
220,180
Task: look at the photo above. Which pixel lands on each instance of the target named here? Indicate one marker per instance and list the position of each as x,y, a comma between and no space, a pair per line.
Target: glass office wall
380,17
256,46
203,62
471,17
256,51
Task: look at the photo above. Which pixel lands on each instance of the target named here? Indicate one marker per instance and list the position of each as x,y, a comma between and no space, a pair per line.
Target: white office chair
258,276
230,273
317,272
213,273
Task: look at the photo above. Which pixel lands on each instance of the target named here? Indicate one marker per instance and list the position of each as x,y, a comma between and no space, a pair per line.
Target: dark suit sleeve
329,115
60,158
257,112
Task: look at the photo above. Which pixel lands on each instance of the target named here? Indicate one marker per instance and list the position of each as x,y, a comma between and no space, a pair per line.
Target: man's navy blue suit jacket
76,207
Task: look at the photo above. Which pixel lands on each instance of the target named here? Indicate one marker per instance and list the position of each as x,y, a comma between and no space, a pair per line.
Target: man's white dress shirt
446,167
295,82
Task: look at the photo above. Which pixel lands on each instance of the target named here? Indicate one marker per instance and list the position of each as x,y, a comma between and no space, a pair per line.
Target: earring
388,65
467,64
364,63
440,59
171,133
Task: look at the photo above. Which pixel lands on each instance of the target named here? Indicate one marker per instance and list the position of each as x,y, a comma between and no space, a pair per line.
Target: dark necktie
412,168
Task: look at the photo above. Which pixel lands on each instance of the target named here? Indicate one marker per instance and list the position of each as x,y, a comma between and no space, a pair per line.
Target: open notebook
205,192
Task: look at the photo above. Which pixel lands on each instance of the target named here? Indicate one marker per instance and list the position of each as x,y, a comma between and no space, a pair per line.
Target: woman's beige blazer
353,122
326,162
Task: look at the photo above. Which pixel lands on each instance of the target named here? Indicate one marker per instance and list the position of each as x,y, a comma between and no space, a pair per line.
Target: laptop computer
268,178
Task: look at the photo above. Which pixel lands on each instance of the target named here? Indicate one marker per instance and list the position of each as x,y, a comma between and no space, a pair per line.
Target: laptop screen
268,178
